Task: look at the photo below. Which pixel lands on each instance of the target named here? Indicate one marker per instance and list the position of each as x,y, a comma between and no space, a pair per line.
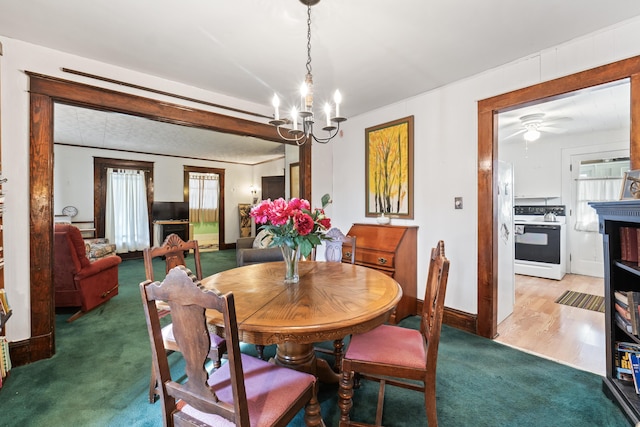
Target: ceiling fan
532,125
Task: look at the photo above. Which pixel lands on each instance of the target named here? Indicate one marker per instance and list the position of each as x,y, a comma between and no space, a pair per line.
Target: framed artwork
244,210
389,169
630,185
294,180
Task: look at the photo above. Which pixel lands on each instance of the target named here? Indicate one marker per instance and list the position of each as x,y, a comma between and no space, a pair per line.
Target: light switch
458,202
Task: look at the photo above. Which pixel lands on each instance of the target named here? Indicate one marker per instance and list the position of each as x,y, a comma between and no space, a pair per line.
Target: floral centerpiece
294,227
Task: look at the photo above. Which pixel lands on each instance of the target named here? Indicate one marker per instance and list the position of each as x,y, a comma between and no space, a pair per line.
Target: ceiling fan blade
514,134
551,129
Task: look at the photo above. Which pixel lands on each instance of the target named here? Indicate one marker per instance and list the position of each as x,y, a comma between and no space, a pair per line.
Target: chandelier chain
309,39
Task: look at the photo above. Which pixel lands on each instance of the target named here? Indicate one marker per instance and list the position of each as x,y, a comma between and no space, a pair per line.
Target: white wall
445,150
73,181
538,169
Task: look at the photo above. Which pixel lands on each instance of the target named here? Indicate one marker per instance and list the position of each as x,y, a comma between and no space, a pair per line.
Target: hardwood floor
570,335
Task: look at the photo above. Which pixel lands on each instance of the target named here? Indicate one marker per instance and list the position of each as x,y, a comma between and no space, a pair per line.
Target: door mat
582,300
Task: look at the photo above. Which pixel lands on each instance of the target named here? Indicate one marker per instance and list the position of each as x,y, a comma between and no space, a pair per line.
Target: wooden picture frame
294,180
630,185
244,212
389,169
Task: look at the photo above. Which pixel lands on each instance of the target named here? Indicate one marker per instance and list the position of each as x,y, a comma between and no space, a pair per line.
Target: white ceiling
376,52
100,129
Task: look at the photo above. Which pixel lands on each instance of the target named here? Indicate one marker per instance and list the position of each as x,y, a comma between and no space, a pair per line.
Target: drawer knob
382,260
347,254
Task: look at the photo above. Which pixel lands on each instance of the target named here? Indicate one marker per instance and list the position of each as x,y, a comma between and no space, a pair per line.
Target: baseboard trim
31,350
457,319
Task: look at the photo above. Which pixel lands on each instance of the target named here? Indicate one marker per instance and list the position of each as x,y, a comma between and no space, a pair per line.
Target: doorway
486,322
273,187
204,190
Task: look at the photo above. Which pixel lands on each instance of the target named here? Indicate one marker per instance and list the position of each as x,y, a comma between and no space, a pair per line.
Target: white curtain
594,190
204,190
127,215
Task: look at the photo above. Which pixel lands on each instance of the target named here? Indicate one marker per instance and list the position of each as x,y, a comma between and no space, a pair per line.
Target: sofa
255,250
79,282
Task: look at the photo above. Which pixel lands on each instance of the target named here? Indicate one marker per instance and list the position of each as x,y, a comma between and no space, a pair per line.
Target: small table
331,301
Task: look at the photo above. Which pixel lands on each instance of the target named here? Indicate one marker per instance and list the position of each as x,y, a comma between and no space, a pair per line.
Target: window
599,181
127,214
204,193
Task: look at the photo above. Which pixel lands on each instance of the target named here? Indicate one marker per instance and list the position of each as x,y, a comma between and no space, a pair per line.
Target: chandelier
305,116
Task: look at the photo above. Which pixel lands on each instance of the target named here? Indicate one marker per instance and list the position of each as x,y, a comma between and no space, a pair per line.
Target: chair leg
312,415
153,384
430,401
260,351
380,403
338,345
345,395
80,313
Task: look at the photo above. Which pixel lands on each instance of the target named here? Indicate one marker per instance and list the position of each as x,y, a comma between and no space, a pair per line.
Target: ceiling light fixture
531,123
532,135
305,115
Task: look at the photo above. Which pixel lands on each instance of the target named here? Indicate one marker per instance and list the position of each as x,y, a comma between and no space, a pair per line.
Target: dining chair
350,240
392,354
244,391
173,249
338,344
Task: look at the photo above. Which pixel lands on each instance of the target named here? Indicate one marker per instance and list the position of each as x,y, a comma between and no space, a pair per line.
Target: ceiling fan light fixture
531,135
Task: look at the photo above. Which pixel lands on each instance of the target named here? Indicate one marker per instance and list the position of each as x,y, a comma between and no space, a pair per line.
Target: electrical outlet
457,202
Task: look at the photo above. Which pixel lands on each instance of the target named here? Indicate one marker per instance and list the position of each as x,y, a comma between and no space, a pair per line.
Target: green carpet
99,377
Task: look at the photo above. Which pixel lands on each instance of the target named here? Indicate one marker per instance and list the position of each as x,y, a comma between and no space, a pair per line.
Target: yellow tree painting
389,169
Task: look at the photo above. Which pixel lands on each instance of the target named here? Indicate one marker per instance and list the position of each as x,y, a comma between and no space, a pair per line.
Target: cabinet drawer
375,258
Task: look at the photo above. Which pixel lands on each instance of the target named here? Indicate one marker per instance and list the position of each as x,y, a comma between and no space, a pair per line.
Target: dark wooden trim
41,226
44,92
30,350
460,320
100,165
220,172
488,158
305,171
455,318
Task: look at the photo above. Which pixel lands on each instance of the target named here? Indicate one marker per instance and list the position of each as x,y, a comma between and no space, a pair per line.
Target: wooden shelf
624,276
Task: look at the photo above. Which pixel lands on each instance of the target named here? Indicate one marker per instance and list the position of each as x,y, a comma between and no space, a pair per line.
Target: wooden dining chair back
392,354
244,391
349,242
172,249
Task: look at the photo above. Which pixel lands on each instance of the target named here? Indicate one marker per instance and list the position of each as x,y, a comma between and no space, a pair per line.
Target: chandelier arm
296,140
327,139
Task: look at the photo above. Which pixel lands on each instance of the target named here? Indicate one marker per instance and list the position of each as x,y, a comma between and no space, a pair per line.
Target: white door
506,250
585,243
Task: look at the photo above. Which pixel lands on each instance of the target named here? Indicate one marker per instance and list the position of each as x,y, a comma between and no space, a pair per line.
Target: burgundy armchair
79,282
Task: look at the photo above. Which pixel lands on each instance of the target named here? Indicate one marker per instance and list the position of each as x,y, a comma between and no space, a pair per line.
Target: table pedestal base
302,357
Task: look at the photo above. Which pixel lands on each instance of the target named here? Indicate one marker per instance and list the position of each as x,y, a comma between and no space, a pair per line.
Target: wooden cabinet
619,275
390,249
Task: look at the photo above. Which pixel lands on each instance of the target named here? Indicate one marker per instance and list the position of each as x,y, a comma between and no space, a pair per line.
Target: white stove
540,241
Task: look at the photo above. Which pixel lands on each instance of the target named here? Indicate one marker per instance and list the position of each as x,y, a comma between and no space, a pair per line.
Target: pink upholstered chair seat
270,390
377,344
170,341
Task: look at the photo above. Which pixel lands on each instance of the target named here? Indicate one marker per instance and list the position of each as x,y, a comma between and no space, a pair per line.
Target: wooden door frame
44,92
488,109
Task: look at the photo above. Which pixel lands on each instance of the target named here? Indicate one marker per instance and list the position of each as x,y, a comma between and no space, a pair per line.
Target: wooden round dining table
331,301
